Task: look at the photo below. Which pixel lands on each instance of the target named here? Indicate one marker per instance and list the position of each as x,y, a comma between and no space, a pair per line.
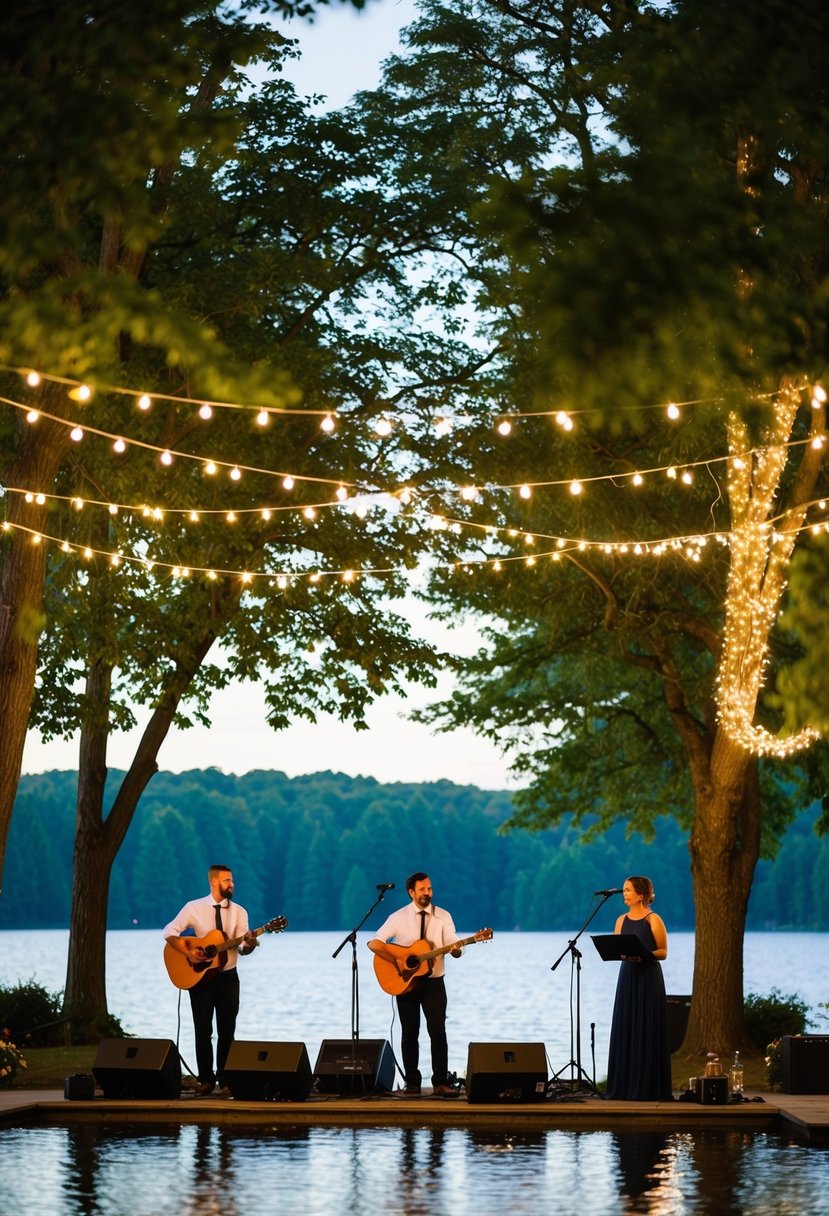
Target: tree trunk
97,840
724,848
40,450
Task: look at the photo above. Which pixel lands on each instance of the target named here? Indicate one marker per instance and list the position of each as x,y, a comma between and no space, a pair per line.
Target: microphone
609,891
385,886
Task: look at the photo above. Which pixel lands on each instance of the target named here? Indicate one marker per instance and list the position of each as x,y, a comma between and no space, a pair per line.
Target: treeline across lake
314,848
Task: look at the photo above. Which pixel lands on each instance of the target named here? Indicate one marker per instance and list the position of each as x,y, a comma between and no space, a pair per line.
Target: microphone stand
578,1077
355,988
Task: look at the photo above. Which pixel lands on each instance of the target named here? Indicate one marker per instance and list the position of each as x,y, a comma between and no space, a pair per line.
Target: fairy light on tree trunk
761,548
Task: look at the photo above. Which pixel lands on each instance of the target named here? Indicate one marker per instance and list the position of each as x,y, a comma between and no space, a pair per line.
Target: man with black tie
217,993
419,921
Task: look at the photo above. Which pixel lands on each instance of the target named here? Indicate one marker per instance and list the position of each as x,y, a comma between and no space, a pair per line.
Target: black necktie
219,925
423,925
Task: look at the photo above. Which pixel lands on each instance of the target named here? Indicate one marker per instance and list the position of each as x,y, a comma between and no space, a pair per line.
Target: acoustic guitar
414,961
186,972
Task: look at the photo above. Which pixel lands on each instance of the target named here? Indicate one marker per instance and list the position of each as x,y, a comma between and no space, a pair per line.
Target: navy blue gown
639,1061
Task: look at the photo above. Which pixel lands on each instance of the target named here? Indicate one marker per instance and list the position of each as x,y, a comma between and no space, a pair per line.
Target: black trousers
219,997
430,996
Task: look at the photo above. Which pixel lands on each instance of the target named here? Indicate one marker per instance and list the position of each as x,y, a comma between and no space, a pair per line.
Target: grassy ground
48,1067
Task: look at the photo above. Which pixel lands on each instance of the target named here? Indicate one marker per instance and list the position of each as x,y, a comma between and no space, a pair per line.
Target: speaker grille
268,1072
506,1072
138,1068
346,1067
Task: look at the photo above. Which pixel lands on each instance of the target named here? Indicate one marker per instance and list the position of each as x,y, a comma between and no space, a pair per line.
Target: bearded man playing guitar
216,993
421,922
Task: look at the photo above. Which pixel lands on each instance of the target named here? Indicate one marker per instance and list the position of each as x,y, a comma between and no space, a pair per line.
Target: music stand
620,947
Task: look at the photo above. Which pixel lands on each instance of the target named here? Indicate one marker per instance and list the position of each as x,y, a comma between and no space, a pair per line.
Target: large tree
656,234
303,259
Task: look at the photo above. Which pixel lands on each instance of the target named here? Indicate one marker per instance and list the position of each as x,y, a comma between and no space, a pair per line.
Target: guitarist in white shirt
217,992
428,993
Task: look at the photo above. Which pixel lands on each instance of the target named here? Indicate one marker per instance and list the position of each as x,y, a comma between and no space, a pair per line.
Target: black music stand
621,947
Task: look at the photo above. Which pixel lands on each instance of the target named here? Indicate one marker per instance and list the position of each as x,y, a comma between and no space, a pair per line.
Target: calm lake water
292,989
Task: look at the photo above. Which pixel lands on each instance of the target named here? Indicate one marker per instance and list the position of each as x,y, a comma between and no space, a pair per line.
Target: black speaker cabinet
347,1067
506,1072
138,1068
679,1008
268,1072
805,1063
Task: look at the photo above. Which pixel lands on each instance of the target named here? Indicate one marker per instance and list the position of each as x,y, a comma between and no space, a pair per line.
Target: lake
292,989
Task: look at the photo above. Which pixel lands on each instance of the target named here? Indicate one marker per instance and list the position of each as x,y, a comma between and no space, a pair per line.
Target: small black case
712,1091
80,1086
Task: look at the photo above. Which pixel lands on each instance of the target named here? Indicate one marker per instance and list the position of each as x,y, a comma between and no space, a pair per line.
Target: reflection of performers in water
639,1060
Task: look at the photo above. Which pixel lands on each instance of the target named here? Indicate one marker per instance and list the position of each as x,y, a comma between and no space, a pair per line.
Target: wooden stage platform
804,1115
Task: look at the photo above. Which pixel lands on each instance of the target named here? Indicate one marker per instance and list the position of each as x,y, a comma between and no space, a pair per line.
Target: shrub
26,1008
769,1017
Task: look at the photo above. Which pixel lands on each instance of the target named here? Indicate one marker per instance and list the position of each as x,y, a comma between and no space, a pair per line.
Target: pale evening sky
342,53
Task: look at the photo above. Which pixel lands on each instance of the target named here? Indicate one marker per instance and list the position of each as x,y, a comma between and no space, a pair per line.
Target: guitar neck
230,943
466,941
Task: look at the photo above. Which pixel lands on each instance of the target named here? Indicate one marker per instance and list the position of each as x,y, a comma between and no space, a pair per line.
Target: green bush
27,1007
769,1017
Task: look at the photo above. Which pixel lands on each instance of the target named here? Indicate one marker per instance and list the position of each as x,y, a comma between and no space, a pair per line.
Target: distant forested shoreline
313,848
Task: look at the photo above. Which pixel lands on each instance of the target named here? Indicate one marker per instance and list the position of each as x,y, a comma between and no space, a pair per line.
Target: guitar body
412,962
398,977
186,972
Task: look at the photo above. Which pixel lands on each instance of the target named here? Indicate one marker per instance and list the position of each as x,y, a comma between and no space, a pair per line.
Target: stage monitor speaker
346,1066
679,1009
805,1063
506,1072
268,1072
138,1068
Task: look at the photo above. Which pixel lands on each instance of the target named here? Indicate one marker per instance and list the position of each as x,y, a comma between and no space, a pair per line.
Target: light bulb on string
32,379
263,418
504,427
205,411
327,424
82,393
673,411
32,416
76,434
235,473
166,458
144,401
119,446
288,483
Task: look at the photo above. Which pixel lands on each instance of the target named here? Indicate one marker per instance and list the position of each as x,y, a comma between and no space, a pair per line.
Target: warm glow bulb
210,468
144,401
166,458
383,428
205,411
119,446
672,411
309,513
76,433
32,416
235,474
504,427
576,487
32,379
638,479
342,493
288,483
327,424
262,418
525,492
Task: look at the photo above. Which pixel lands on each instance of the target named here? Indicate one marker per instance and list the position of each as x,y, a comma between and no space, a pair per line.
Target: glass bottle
712,1065
735,1076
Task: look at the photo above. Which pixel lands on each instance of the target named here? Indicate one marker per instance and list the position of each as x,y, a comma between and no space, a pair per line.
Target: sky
341,53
